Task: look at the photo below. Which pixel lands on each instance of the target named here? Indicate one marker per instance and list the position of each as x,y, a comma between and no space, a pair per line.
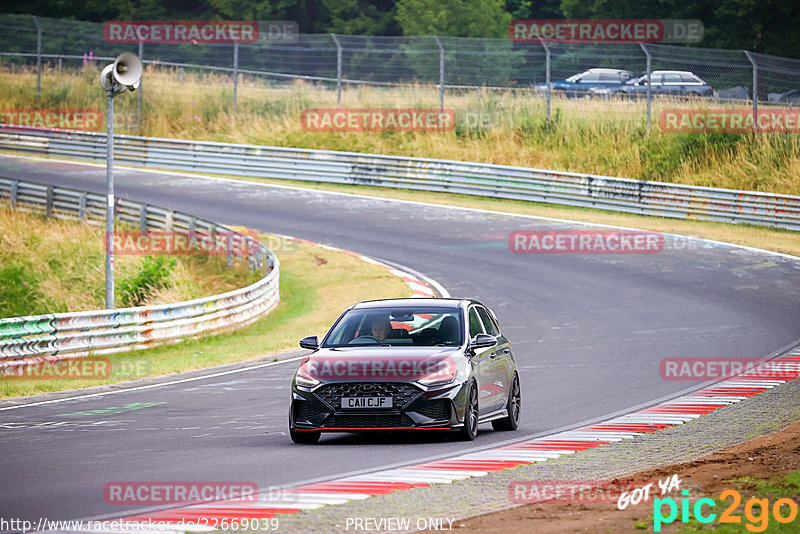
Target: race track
588,331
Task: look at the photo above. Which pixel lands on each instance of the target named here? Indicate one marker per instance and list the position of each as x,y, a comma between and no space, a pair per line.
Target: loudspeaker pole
125,74
111,203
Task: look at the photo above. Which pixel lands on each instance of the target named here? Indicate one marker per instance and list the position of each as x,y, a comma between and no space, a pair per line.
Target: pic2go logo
756,511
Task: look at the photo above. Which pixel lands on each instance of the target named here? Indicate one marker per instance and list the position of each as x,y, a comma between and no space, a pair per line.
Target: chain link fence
451,64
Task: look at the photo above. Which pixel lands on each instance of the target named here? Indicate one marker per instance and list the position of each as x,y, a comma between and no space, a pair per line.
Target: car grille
376,420
435,409
402,394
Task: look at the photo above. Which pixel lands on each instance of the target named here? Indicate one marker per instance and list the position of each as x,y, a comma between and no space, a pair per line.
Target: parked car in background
662,82
579,84
789,97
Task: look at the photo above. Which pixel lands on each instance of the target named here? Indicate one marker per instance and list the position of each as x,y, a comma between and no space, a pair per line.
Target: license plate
350,403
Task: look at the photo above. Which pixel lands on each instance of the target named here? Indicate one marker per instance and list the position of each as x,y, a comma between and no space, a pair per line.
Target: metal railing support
48,207
12,198
82,206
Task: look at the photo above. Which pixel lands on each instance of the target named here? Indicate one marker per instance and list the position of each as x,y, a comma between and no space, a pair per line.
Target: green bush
154,273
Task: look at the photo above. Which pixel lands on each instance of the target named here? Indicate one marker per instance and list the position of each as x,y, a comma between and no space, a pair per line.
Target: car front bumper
414,407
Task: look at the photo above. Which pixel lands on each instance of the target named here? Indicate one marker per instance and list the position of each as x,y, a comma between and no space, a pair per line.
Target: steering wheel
375,339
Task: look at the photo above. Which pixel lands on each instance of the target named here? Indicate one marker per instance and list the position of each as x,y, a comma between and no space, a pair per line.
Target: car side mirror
482,341
309,342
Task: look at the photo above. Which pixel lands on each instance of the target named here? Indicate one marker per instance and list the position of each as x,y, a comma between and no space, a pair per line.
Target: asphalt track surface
588,332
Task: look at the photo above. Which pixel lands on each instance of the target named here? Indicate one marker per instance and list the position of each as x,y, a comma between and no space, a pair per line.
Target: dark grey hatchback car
407,364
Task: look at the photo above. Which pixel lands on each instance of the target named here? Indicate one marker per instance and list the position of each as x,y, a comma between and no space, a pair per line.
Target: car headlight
302,378
445,372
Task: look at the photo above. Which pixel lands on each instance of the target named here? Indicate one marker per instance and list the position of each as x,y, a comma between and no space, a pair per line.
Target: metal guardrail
24,340
479,179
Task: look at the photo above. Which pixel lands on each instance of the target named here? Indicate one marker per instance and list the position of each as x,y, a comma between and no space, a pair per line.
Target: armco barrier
24,340
500,181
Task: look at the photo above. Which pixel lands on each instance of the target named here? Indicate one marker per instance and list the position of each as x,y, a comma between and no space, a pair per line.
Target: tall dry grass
49,266
506,127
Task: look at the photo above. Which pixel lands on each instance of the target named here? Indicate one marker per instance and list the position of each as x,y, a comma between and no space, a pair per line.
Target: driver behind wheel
379,328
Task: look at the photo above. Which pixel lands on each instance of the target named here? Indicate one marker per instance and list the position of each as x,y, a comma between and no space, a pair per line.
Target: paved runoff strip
285,503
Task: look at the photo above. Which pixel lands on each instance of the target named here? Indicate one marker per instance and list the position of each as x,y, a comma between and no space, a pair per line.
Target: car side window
475,326
672,78
590,77
491,328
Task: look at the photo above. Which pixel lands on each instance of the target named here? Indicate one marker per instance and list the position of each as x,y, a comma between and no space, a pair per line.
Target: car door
502,365
492,376
482,358
692,85
672,84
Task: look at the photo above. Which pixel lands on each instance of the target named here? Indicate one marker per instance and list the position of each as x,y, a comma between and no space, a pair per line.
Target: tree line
766,26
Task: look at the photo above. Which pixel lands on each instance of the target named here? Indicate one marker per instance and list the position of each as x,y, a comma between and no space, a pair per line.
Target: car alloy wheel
511,422
470,429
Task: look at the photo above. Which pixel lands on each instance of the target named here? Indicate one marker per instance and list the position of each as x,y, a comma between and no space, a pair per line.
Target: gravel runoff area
753,417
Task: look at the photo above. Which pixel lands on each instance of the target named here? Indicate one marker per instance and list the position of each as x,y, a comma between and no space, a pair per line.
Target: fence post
180,75
441,73
60,63
546,74
139,89
649,74
38,58
338,69
235,74
755,89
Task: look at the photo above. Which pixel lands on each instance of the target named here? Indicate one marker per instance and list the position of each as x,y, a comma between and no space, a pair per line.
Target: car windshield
397,326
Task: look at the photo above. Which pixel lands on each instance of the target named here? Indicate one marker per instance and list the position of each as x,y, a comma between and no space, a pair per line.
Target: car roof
415,302
674,72
615,71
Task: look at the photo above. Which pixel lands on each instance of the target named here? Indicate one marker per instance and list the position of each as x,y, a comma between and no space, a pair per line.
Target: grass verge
316,285
51,266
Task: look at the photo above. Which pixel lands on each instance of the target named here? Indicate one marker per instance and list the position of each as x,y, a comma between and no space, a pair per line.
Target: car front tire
470,428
